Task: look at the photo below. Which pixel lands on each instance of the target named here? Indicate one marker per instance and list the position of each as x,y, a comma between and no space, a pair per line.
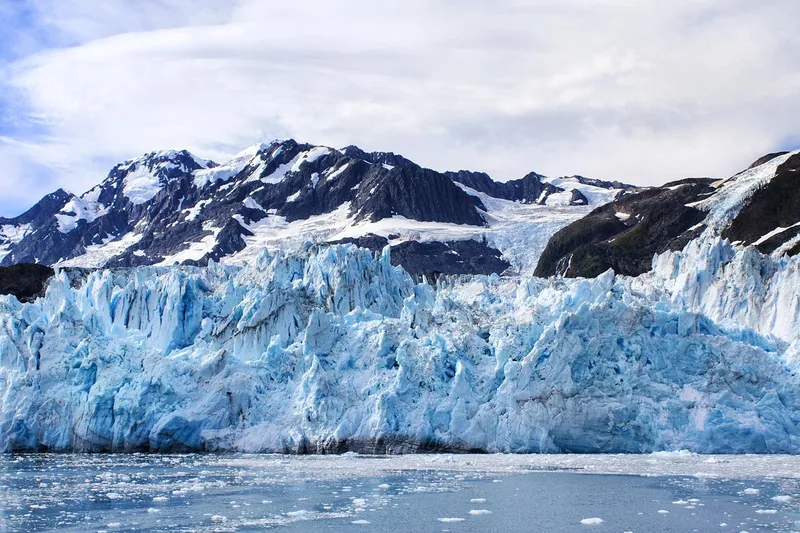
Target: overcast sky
643,91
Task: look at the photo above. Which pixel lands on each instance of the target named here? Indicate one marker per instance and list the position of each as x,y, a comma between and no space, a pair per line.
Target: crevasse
332,349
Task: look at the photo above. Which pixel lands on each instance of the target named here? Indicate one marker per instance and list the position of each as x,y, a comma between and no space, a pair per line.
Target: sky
643,91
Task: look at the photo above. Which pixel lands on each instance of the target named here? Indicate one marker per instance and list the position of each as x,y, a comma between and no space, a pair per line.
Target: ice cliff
334,349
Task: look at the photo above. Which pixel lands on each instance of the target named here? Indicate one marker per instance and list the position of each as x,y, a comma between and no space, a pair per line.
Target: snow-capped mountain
758,207
173,207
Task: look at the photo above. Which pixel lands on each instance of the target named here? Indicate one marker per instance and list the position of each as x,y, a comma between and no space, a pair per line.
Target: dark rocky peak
603,184
479,181
377,158
44,209
139,180
416,193
578,198
766,159
529,189
167,164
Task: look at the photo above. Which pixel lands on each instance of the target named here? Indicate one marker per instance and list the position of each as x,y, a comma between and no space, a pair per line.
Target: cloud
618,89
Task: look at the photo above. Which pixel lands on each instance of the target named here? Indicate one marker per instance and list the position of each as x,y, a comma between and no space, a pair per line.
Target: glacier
331,349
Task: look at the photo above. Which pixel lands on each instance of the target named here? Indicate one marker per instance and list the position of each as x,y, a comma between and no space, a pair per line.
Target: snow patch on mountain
97,255
85,208
520,231
10,235
338,171
194,251
231,168
560,199
141,185
596,196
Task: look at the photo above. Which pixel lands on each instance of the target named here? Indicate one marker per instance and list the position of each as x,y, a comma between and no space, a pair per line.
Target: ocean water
454,493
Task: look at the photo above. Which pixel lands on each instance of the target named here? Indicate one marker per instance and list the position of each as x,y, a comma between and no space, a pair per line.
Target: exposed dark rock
452,257
433,259
603,184
44,209
377,158
766,158
625,234
416,193
578,198
776,205
25,281
530,189
370,241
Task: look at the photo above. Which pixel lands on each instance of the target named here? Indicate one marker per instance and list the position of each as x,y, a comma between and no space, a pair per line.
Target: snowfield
332,349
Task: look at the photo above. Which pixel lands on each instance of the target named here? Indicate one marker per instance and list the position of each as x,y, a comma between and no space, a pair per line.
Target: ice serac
334,349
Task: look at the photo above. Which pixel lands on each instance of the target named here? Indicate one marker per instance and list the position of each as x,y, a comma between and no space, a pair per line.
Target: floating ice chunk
383,486
592,521
782,498
479,512
751,491
663,511
219,518
450,520
160,499
360,522
680,502
478,500
766,511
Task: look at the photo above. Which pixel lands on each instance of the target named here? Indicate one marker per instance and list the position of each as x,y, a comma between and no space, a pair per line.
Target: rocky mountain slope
758,207
173,207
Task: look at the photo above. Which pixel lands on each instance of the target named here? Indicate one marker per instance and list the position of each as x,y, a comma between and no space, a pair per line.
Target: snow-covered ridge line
334,349
172,206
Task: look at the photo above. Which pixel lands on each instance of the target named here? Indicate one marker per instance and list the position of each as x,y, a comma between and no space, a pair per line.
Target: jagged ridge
172,206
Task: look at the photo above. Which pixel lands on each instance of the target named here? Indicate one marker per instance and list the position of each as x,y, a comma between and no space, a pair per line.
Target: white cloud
641,91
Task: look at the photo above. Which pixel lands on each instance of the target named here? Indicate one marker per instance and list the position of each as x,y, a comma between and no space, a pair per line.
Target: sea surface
671,492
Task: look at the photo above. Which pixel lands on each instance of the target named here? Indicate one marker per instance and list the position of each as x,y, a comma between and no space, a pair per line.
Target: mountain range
173,207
